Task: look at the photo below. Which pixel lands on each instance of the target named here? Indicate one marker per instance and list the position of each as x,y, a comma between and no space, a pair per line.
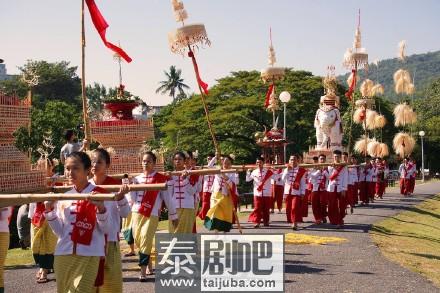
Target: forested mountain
424,68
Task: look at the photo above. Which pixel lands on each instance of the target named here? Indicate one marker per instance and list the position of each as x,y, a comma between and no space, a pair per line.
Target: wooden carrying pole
7,200
115,188
19,199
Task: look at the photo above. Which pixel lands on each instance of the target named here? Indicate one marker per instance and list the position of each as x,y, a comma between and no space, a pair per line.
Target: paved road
353,266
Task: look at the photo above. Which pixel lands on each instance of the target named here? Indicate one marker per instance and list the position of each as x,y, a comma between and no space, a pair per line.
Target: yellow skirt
220,216
43,240
4,246
144,230
186,218
75,273
112,269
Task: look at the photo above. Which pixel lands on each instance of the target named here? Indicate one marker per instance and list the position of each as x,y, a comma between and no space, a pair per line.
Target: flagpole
205,107
83,74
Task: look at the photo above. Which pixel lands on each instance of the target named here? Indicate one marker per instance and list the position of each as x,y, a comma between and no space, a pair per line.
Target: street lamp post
285,98
422,134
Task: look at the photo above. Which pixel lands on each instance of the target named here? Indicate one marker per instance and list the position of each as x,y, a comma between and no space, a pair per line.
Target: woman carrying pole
80,226
223,200
109,277
146,210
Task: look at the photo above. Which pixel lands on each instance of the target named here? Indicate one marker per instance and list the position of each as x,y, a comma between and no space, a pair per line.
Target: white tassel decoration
359,116
366,88
361,145
377,90
373,148
403,144
383,150
380,121
371,119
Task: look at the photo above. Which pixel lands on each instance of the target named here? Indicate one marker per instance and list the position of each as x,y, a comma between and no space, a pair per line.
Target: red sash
85,222
38,217
296,183
149,197
269,174
336,172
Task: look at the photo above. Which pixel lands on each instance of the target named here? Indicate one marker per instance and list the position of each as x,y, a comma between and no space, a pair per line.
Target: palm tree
173,83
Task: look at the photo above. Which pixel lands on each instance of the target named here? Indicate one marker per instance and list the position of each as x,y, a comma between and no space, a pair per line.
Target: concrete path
353,266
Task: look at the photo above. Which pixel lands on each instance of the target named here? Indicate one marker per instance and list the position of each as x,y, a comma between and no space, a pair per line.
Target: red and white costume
318,179
262,194
337,184
294,191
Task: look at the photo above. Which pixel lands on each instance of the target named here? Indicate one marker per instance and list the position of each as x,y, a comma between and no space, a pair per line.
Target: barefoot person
146,210
80,226
110,274
294,190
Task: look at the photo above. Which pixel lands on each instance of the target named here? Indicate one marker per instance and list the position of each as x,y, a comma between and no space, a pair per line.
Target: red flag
352,86
269,92
101,26
201,83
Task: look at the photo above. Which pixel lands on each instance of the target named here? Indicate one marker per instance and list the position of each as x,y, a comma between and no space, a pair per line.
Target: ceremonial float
273,141
16,174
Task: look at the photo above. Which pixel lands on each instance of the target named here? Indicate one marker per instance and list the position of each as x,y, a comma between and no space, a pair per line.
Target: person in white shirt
413,171
294,189
146,211
262,193
80,226
5,214
182,195
277,190
337,189
366,184
406,170
318,179
195,180
220,216
352,187
206,189
110,269
71,146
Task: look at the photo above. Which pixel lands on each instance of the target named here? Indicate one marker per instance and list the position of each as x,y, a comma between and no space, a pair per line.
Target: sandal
142,278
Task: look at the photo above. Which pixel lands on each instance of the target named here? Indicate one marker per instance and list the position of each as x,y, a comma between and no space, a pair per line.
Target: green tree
173,84
236,105
55,117
428,111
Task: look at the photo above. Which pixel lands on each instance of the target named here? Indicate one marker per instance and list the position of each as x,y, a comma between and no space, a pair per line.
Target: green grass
19,257
412,239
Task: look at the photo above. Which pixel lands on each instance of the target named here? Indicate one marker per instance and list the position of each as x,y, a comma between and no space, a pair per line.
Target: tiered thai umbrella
184,40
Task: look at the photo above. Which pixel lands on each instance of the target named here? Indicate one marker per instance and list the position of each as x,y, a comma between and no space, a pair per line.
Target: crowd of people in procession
79,239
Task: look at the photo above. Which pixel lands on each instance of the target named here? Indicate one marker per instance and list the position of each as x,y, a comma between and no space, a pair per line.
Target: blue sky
307,34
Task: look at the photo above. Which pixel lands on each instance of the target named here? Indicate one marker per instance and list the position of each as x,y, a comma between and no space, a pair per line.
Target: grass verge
412,239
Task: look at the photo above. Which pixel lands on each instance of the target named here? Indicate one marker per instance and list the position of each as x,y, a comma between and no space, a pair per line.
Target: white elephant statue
328,128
